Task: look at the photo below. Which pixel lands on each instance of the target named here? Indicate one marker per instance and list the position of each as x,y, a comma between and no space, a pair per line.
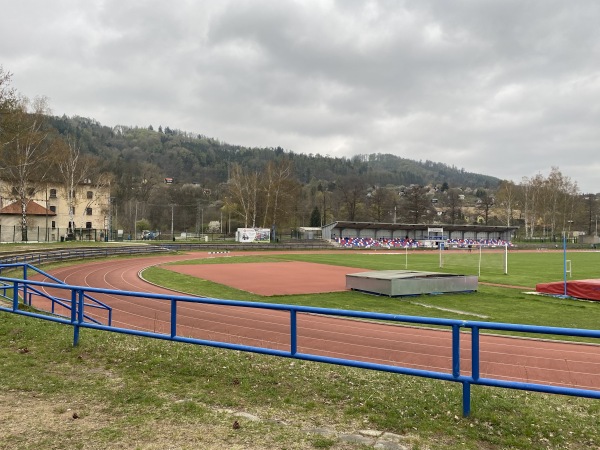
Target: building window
53,209
90,194
53,224
88,211
52,193
88,224
72,209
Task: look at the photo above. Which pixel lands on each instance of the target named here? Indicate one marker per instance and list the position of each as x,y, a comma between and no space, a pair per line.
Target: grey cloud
504,88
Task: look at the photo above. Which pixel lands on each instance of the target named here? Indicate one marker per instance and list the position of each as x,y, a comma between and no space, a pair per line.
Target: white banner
252,235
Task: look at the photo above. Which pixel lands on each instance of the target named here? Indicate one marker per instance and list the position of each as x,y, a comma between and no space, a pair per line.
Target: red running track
525,360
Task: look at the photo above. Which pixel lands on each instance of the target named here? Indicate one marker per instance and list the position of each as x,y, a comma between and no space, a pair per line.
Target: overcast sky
505,88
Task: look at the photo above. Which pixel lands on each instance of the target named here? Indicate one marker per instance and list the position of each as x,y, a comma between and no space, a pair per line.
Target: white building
48,213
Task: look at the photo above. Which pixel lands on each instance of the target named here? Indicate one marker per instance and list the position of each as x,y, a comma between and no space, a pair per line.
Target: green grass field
493,303
116,391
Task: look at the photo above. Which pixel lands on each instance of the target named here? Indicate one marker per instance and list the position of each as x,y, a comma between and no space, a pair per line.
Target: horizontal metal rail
28,292
53,256
70,254
78,319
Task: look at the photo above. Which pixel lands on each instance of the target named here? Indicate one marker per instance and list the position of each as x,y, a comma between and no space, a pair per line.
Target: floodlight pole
172,221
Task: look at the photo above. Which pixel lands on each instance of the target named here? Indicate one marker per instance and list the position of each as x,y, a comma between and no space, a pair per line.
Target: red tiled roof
33,209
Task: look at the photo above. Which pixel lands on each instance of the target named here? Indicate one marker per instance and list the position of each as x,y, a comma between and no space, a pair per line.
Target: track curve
526,360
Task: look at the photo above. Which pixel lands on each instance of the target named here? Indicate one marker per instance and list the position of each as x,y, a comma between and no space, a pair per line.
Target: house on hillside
50,215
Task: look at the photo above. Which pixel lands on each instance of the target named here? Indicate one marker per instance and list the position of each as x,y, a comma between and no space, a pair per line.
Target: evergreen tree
315,217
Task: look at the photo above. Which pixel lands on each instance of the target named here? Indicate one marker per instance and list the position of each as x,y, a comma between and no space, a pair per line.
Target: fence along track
75,300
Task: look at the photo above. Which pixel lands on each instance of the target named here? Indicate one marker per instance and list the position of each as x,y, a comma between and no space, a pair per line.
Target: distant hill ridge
193,158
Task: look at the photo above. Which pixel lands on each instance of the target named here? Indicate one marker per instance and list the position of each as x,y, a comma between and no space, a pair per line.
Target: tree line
165,177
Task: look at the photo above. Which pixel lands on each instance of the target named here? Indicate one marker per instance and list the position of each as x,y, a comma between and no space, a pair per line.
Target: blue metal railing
28,292
78,319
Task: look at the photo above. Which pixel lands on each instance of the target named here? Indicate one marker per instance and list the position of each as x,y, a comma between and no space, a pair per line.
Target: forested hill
131,152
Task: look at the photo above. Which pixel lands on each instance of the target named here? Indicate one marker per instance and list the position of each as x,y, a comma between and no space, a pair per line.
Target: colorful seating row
367,242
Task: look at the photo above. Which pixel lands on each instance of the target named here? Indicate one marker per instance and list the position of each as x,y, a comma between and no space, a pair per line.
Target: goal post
475,258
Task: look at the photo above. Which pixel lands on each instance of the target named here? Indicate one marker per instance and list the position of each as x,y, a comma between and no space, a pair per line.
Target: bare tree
561,193
27,154
532,193
275,177
506,198
242,194
549,203
453,206
352,191
486,201
74,169
416,206
8,102
381,202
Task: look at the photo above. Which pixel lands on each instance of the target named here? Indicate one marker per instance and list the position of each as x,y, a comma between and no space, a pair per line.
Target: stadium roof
417,226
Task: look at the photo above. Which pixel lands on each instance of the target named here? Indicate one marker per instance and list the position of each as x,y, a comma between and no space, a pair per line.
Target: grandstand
368,242
397,235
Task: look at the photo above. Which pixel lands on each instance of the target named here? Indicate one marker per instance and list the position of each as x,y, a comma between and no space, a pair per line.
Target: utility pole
48,232
172,221
592,198
135,223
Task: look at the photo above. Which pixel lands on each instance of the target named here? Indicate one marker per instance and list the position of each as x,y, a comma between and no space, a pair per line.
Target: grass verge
116,391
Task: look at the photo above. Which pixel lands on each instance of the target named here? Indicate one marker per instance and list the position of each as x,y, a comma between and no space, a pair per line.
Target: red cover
585,289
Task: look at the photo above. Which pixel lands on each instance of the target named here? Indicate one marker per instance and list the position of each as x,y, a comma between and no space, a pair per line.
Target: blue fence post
25,285
173,317
475,353
293,331
466,394
74,318
466,398
80,311
455,351
474,371
15,296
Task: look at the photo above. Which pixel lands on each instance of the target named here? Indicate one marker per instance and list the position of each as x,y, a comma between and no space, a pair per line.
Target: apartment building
52,217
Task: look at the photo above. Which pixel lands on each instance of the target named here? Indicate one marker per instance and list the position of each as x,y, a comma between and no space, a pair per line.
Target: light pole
590,199
135,223
172,221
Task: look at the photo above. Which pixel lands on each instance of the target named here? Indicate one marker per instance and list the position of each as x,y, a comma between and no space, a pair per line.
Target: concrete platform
398,283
